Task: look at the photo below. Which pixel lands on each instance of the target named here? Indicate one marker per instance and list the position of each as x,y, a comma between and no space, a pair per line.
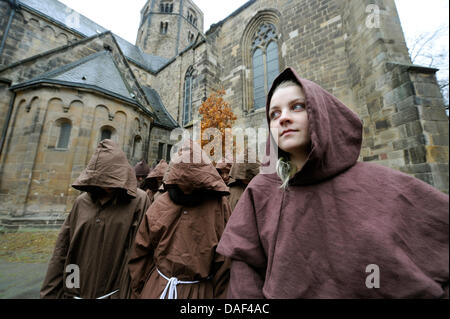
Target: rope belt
171,287
102,297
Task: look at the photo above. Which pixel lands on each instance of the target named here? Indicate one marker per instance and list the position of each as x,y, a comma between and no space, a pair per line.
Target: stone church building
66,83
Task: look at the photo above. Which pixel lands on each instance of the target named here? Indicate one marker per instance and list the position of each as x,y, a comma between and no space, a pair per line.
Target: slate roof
97,71
62,14
163,118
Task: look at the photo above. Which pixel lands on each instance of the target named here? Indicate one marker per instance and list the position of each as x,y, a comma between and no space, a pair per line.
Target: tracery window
187,111
265,62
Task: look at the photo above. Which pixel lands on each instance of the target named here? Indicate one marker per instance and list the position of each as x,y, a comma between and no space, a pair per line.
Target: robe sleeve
141,259
125,283
221,267
53,285
424,228
240,242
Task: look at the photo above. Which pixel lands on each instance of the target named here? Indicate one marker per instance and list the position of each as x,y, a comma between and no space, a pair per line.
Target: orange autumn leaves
216,113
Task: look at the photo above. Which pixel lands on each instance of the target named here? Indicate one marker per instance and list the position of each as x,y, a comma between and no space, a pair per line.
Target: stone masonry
355,49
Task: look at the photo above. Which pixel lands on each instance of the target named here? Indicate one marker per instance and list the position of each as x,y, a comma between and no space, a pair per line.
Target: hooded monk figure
175,250
142,170
99,231
325,225
224,171
240,176
154,179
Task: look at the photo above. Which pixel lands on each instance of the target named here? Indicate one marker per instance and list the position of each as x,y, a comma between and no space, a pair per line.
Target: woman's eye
298,107
274,115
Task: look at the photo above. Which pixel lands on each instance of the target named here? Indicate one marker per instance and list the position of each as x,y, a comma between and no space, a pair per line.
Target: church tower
168,26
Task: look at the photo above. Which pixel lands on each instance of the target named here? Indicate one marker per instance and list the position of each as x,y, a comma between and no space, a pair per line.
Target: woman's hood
335,131
191,169
108,167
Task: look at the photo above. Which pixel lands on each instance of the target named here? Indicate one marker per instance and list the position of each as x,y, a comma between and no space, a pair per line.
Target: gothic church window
187,110
264,62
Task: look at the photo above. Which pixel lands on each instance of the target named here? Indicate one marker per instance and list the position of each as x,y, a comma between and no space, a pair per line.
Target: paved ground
21,280
23,262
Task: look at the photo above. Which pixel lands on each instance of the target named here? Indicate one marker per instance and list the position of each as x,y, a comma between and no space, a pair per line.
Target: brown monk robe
142,170
175,249
240,176
153,181
99,231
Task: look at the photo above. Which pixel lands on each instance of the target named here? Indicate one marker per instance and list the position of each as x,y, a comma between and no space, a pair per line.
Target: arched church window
265,62
164,27
192,17
137,148
65,128
166,7
187,110
190,37
106,133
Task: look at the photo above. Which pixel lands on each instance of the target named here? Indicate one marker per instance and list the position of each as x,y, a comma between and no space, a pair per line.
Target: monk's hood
191,169
141,169
108,167
335,131
244,171
158,171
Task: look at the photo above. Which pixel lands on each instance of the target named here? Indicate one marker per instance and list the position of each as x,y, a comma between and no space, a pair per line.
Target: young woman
99,232
174,255
327,226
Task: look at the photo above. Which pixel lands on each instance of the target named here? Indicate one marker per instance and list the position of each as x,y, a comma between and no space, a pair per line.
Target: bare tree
426,49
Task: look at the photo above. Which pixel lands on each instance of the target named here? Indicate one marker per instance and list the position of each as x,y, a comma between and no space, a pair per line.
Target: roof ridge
147,61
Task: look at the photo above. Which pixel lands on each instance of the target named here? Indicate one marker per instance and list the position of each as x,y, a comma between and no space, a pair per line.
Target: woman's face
289,119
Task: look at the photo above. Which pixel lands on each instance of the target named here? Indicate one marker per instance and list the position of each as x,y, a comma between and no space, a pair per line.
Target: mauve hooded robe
337,217
98,237
180,241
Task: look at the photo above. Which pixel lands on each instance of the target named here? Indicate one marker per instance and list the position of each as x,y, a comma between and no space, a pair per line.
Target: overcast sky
122,18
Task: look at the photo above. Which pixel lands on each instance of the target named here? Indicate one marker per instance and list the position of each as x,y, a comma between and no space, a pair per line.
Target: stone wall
348,48
36,174
30,35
